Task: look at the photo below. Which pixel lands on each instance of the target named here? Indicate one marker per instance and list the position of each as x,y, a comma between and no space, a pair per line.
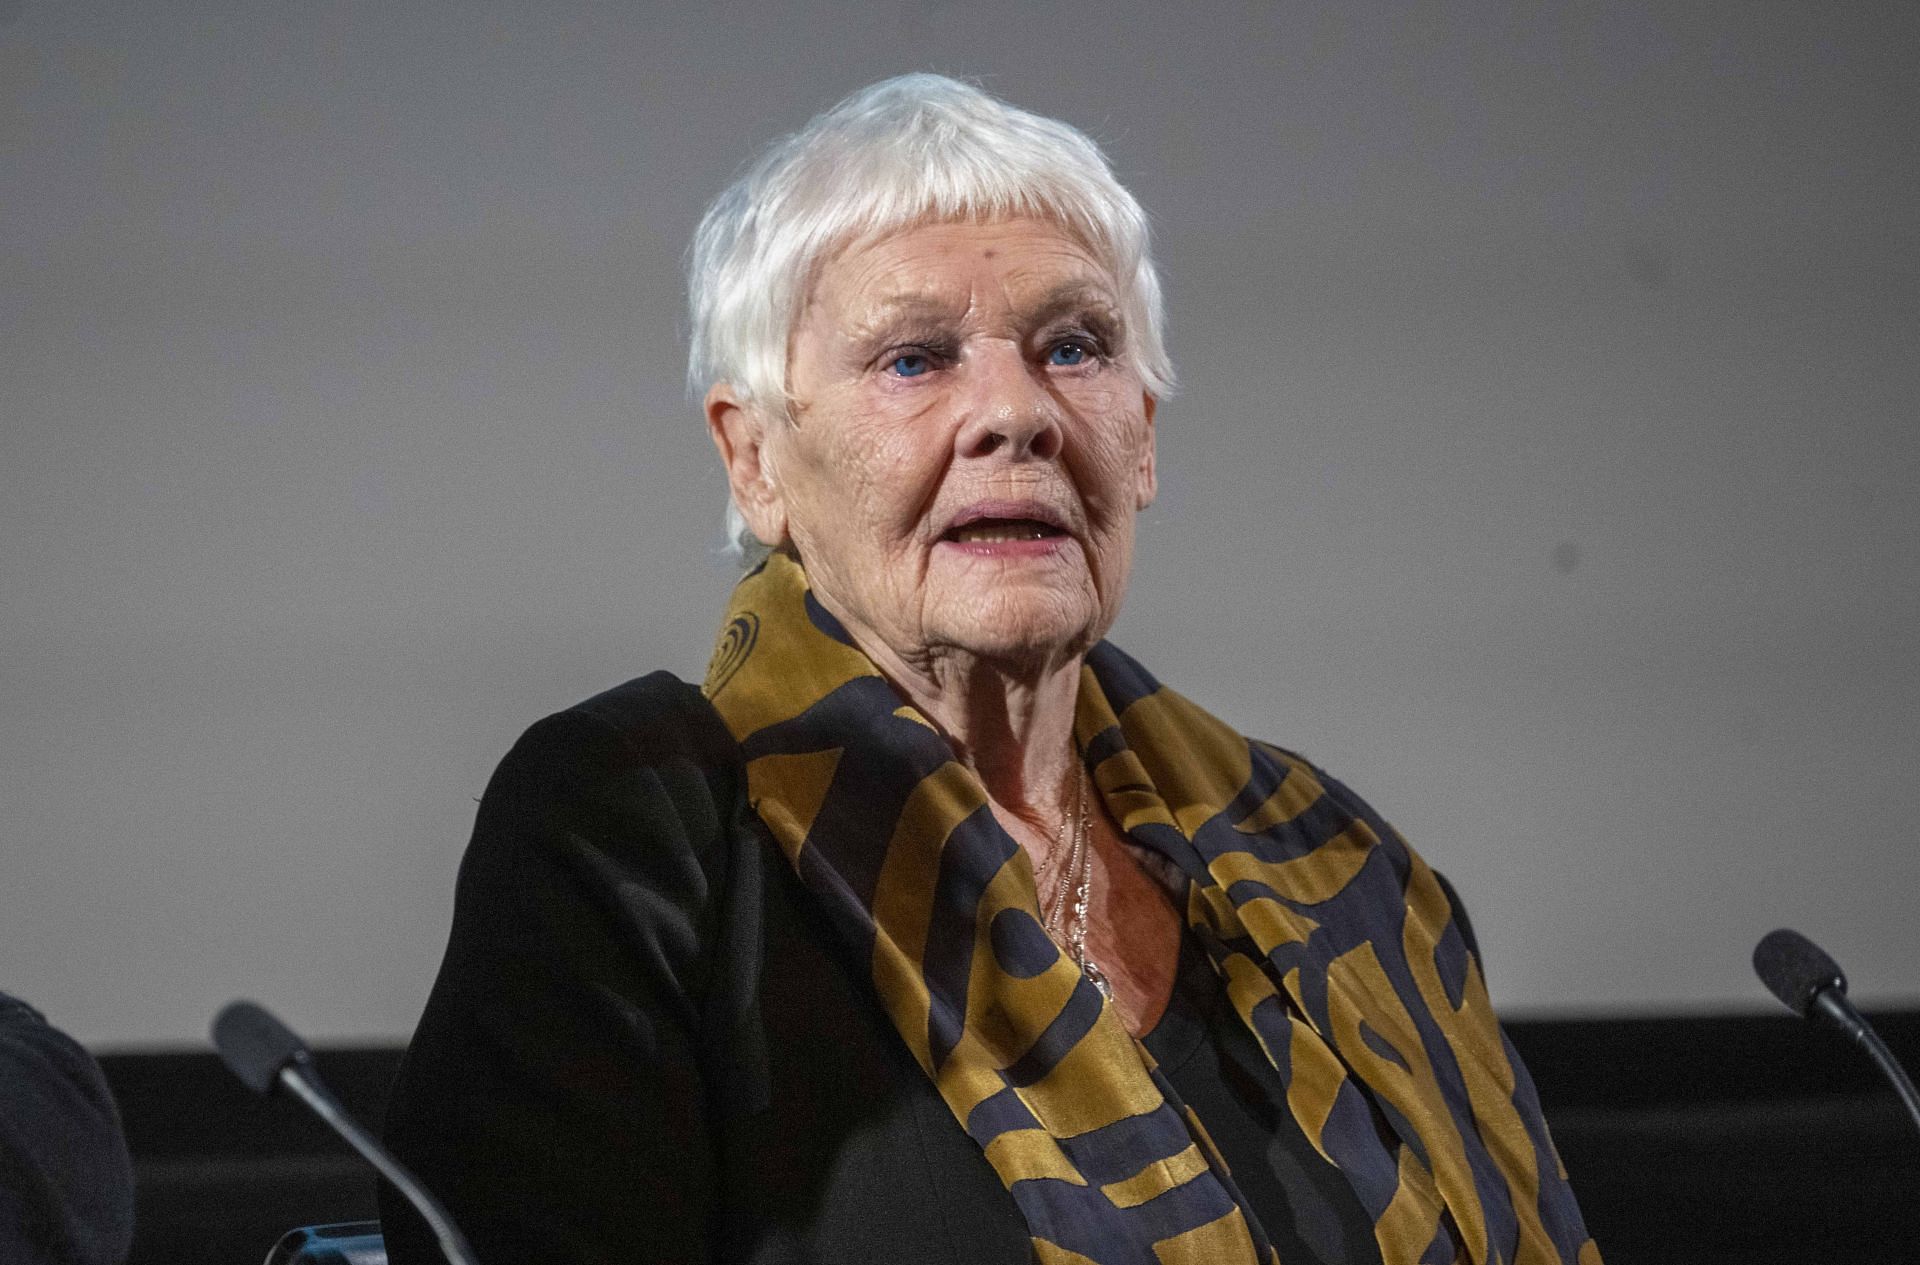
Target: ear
1147,478
739,431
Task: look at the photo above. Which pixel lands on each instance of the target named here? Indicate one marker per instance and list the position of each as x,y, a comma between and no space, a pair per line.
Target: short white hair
913,149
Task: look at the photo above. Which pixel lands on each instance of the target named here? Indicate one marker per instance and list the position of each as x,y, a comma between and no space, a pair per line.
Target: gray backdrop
1545,464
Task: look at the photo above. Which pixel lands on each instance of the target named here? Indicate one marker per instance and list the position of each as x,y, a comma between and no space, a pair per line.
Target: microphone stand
310,1091
264,1053
1832,1007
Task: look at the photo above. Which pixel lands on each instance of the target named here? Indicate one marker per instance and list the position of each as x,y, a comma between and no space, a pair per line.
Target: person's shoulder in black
647,1042
66,1182
552,1093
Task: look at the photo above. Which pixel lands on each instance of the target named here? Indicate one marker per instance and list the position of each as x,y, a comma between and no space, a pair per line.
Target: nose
1009,410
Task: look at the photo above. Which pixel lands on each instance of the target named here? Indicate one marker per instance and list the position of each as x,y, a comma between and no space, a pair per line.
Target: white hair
913,149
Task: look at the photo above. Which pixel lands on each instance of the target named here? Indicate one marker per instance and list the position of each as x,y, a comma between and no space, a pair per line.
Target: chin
1020,628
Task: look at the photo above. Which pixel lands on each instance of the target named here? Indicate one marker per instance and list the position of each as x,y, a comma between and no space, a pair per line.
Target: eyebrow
910,305
1070,296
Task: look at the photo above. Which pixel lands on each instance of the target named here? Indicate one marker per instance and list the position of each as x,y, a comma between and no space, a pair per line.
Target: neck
1012,728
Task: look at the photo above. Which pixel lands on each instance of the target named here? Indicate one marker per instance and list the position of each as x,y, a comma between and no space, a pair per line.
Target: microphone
1811,984
265,1054
1806,980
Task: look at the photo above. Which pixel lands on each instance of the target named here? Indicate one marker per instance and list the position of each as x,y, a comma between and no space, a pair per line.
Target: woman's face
969,445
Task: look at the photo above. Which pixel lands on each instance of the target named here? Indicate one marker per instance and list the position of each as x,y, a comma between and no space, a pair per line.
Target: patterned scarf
1334,940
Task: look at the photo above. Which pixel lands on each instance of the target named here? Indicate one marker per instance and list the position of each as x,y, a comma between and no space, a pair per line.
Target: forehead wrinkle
1073,295
1076,294
882,314
875,295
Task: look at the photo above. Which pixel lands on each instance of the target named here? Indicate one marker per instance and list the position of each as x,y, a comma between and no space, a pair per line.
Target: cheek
864,473
1110,467
888,469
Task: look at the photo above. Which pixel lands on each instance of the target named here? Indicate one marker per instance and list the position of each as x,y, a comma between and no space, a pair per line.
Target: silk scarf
1334,940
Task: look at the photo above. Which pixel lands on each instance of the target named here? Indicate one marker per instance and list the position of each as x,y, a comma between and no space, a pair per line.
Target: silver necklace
1076,879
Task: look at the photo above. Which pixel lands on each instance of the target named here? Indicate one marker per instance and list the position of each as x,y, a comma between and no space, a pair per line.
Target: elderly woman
931,927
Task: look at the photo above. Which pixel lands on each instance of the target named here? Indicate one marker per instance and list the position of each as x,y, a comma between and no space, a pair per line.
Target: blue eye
911,365
1068,354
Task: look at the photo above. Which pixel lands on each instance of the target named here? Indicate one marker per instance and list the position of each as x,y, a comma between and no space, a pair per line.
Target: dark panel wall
1691,1141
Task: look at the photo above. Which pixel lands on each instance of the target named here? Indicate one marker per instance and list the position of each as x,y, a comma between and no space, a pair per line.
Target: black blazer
646,1045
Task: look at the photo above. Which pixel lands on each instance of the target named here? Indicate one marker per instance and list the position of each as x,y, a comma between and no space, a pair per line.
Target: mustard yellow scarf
1334,940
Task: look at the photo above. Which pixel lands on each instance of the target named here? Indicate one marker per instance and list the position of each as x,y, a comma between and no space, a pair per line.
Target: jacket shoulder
564,1057
660,717
650,747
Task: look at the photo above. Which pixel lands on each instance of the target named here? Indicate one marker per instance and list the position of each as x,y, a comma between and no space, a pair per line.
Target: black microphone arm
265,1054
1810,983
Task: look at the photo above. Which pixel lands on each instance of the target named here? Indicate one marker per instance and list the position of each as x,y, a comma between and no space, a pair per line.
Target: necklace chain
1076,880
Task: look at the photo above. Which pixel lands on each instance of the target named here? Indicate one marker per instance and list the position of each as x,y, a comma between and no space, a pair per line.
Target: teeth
993,532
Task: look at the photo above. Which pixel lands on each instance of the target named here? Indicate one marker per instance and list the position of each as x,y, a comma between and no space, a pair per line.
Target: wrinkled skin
926,378
935,371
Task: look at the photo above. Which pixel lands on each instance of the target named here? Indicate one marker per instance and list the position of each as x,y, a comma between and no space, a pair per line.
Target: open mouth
1001,530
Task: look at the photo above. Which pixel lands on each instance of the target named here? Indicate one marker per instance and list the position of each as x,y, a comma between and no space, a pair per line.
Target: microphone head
1795,969
254,1045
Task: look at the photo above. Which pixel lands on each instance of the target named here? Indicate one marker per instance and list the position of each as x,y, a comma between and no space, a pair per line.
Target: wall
1545,464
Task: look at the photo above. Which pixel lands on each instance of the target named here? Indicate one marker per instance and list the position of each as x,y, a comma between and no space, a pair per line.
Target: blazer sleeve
554,1094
